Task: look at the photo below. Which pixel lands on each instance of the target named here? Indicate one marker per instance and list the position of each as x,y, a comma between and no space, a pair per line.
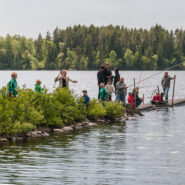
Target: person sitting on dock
162,95
64,80
166,84
131,100
12,85
103,92
136,96
157,100
86,98
38,87
110,89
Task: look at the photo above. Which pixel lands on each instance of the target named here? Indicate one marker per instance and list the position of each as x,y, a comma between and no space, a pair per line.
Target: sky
31,17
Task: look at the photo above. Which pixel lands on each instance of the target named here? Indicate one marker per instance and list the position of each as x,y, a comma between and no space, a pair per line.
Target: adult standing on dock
116,77
166,84
107,72
121,91
101,77
64,80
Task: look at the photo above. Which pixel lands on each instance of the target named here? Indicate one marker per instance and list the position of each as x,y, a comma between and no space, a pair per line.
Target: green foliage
71,110
96,110
82,48
113,110
30,110
22,128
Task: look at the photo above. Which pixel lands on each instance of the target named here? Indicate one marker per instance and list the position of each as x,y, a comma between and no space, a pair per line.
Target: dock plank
149,106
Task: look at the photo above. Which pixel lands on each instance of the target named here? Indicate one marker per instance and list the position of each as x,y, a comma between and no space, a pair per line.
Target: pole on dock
158,89
173,89
135,91
143,99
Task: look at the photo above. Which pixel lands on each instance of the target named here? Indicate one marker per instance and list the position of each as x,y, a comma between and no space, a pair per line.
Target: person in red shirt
157,99
131,100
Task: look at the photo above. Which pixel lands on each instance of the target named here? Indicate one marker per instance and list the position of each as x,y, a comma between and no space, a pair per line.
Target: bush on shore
30,110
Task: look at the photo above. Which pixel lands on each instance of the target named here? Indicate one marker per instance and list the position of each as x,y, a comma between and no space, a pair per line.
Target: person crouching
131,100
38,87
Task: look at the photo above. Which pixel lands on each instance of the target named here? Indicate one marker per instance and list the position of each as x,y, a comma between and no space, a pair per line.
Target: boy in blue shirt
86,97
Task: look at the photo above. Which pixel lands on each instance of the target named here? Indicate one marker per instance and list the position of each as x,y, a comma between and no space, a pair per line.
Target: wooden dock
145,107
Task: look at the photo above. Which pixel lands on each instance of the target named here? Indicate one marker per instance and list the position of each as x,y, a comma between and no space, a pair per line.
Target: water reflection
147,150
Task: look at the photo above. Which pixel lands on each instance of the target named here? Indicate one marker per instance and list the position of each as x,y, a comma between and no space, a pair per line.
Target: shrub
30,110
22,128
113,110
95,110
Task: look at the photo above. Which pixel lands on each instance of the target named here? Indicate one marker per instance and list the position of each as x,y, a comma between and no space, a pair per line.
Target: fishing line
151,76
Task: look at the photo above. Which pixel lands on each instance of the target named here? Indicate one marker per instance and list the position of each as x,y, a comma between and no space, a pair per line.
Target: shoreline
47,131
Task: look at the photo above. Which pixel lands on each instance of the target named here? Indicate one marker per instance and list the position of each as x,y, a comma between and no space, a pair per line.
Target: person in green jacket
103,92
12,85
38,88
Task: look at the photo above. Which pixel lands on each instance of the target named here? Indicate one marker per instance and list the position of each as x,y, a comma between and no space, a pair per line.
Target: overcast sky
29,17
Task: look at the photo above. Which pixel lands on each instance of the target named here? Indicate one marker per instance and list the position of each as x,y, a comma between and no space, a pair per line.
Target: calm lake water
146,150
88,80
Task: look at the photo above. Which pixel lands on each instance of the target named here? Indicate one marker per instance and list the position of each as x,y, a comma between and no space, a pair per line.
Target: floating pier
149,106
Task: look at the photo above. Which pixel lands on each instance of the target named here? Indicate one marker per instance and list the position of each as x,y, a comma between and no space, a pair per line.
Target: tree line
85,48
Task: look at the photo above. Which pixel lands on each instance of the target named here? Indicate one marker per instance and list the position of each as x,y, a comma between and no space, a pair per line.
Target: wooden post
135,92
173,90
143,99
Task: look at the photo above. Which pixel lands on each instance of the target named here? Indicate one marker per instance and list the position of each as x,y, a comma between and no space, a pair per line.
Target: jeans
166,90
121,98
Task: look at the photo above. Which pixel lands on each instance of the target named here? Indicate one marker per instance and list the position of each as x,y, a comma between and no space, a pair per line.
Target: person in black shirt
136,95
101,77
107,72
116,77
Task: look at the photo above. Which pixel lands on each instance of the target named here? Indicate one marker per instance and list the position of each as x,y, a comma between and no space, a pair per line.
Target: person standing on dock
64,80
107,73
121,91
103,93
166,84
110,89
116,77
12,85
101,77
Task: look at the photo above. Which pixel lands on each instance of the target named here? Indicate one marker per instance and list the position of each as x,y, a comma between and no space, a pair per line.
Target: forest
86,47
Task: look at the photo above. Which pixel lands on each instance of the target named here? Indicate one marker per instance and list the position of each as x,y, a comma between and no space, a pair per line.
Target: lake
145,150
88,80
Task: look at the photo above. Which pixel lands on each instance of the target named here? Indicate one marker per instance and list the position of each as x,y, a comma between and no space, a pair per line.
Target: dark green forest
82,47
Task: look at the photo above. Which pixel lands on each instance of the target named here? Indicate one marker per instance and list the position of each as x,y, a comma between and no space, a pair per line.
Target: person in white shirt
110,89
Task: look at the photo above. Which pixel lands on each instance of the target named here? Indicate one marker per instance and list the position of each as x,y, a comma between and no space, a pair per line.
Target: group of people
106,88
108,84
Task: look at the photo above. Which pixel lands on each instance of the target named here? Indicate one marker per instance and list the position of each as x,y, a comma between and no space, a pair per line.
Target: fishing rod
157,73
56,80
